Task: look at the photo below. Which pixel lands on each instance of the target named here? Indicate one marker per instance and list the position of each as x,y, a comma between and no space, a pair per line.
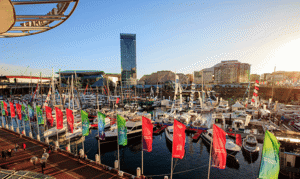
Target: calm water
158,162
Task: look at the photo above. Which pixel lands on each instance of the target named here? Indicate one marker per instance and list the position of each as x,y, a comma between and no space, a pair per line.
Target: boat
159,129
169,134
231,148
250,144
134,129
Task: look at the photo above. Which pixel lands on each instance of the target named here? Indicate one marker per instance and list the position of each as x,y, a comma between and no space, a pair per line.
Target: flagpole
98,124
29,120
37,123
211,143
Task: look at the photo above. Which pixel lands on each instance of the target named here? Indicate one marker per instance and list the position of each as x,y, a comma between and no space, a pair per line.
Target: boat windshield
251,144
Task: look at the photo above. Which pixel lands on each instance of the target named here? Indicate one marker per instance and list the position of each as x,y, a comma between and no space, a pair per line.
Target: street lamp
43,163
34,160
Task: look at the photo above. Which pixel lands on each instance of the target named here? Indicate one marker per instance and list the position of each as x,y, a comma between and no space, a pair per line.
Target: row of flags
270,155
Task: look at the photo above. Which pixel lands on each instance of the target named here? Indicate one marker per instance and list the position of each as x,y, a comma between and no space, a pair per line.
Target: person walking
9,152
24,146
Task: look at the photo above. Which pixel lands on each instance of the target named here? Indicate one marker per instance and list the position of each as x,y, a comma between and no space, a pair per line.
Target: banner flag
85,123
24,114
19,110
85,89
12,110
70,120
49,116
39,115
270,166
31,112
122,130
2,108
219,153
101,125
178,140
254,94
147,134
59,118
118,99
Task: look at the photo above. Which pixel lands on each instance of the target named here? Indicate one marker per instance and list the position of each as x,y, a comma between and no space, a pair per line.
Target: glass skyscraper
128,59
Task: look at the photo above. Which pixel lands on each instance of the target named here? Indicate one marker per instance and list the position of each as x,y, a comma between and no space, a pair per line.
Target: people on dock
16,147
9,152
24,146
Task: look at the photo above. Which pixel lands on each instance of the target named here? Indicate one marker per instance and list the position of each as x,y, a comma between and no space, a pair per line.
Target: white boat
230,146
238,125
76,132
134,129
169,133
250,144
297,126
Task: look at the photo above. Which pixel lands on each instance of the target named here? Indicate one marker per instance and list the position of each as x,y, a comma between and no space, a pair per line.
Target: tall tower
128,59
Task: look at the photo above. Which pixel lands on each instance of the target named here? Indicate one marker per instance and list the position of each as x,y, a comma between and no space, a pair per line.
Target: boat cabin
238,125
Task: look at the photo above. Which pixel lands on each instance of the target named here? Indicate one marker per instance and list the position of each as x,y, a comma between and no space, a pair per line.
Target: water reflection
249,156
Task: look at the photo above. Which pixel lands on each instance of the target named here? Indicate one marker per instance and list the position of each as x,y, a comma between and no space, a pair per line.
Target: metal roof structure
36,23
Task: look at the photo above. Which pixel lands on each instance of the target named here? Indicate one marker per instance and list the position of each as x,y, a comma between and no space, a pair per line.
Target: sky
180,36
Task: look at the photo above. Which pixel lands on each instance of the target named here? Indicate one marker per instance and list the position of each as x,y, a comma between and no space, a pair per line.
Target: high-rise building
128,59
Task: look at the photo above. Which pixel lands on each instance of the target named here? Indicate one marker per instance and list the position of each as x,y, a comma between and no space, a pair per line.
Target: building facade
231,71
208,76
128,59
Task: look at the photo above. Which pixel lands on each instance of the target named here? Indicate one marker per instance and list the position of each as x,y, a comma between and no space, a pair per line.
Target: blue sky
181,36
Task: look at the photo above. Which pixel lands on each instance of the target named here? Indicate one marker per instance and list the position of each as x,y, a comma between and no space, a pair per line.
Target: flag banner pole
172,157
37,124
29,118
211,143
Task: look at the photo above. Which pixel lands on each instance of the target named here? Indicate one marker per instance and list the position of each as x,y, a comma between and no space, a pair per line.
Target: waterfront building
208,76
84,77
160,77
128,59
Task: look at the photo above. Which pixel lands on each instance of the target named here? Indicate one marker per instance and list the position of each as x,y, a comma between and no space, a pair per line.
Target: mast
273,82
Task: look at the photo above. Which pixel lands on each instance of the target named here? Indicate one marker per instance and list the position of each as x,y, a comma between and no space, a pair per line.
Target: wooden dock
60,164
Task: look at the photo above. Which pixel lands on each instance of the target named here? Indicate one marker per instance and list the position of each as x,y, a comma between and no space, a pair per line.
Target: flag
19,110
238,139
24,115
49,116
178,140
122,130
147,134
256,81
254,94
85,123
3,110
12,110
70,120
31,112
59,118
255,87
118,99
270,166
101,125
219,153
39,115
37,85
252,100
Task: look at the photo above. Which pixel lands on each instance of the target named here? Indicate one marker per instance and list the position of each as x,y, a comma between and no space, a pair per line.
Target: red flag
12,110
5,108
219,153
147,134
59,118
246,105
19,110
256,81
178,140
85,89
118,99
238,139
254,94
70,120
252,100
256,88
49,116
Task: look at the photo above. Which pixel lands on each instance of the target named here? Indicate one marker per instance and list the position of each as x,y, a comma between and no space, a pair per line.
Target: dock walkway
60,164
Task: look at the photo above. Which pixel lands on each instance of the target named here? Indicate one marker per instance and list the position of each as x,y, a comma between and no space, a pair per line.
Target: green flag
24,115
39,115
85,123
2,108
122,130
270,165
